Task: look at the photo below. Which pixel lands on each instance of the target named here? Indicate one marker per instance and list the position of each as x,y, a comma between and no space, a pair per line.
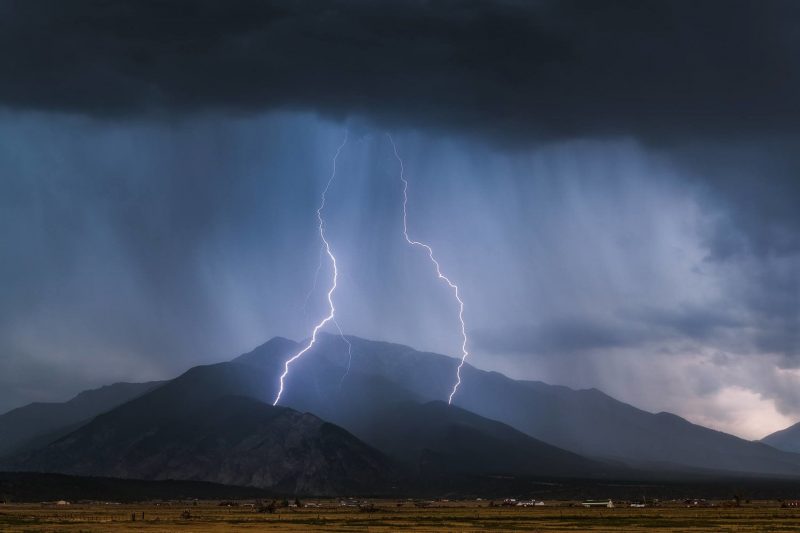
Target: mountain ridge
231,440
586,423
787,439
30,424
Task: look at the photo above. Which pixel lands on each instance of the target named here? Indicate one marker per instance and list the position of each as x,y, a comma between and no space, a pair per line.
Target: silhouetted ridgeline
383,429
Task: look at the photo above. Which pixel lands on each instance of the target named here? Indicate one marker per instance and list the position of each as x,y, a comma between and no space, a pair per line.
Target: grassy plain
392,515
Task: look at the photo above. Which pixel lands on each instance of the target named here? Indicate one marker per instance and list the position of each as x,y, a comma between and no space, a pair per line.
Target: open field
392,515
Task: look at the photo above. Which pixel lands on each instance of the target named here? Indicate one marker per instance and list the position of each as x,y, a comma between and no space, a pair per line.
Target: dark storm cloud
629,329
688,322
118,242
671,73
560,336
761,179
175,224
510,69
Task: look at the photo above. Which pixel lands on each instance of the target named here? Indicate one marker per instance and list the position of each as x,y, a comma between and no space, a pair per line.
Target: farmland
392,515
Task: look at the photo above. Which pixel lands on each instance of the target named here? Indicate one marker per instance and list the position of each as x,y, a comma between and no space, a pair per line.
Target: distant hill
436,439
592,423
787,439
586,422
194,428
39,423
208,423
231,440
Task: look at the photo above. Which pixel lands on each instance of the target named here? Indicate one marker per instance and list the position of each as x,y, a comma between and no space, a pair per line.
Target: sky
612,185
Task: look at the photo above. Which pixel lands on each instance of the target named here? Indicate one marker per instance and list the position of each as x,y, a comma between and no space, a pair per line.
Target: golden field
392,515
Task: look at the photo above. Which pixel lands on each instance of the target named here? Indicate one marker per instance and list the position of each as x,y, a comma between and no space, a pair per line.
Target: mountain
203,425
586,422
230,440
592,423
211,424
436,439
39,423
787,439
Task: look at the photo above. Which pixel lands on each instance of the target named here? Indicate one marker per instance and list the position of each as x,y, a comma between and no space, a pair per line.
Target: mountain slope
439,439
592,423
39,423
586,422
787,439
364,401
190,428
230,439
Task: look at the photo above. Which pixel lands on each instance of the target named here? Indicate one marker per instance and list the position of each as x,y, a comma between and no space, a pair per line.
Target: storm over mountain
211,424
612,184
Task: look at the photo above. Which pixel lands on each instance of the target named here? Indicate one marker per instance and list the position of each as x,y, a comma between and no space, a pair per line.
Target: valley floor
393,515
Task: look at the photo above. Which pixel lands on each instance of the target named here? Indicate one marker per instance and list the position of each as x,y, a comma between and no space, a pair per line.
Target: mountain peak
787,439
385,387
266,353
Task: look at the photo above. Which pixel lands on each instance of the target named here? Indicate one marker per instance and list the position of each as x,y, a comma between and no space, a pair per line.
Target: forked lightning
453,286
329,252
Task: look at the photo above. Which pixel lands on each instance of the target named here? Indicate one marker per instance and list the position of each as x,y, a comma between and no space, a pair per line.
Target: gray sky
614,188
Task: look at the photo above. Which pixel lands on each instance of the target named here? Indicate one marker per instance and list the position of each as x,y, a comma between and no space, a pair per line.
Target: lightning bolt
329,251
429,250
314,284
349,353
335,322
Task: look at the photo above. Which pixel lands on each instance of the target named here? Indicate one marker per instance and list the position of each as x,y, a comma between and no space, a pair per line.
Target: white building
598,503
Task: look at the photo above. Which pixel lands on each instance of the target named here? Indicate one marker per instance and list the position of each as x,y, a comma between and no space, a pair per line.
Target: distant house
791,503
698,502
598,503
529,503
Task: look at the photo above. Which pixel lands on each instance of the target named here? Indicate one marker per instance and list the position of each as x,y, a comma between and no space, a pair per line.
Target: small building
529,503
598,503
697,502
